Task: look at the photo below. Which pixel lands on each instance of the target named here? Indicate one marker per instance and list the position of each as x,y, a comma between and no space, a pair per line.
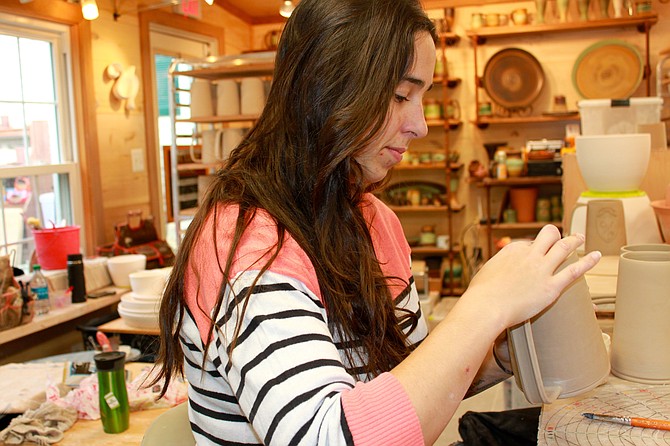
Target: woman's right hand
521,280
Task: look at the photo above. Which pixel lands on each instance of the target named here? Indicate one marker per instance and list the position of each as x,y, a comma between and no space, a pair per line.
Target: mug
477,21
485,109
641,330
201,98
204,181
252,93
519,16
227,98
492,19
271,39
453,109
210,152
560,352
231,139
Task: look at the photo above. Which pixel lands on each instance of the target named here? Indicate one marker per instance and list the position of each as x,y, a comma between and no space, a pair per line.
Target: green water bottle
113,396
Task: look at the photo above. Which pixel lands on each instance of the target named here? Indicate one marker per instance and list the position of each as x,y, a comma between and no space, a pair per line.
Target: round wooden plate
513,78
609,69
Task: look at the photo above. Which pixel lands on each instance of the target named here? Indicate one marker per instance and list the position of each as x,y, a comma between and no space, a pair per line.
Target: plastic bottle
75,275
113,395
40,287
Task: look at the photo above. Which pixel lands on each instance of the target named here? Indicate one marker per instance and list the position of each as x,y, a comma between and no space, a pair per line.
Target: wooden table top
119,326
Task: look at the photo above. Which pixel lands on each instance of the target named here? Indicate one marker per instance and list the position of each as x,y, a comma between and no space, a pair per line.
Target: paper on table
23,386
562,423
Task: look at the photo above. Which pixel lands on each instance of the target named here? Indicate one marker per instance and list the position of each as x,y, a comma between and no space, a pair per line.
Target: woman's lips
396,153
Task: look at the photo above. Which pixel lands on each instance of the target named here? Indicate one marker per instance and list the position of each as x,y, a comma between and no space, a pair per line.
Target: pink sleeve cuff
380,412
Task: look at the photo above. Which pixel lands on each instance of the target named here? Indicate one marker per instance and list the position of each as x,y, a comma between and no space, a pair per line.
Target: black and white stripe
240,398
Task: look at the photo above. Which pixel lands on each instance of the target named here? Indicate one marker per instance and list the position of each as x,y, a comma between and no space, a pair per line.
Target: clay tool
630,421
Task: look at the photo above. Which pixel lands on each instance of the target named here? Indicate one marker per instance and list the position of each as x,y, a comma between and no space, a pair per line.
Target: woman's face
405,120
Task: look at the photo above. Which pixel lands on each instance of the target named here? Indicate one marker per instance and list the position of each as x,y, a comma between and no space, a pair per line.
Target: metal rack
211,68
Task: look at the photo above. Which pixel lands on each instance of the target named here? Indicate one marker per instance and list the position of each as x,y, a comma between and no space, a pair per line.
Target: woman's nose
416,122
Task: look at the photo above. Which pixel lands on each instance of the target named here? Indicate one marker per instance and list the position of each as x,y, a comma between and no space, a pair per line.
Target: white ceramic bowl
149,281
129,302
121,266
139,319
613,163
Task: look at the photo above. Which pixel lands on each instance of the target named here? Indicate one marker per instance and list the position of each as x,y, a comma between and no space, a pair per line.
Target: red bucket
53,245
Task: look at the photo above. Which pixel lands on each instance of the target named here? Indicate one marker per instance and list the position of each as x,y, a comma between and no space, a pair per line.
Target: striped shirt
286,381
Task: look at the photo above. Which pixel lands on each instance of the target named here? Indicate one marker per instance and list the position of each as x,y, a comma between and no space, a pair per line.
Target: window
39,174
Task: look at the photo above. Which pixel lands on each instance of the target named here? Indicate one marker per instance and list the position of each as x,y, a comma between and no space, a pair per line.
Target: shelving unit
436,171
224,67
490,183
478,37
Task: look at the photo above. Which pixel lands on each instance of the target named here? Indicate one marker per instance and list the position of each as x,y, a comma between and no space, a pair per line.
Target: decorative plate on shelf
415,193
513,78
609,69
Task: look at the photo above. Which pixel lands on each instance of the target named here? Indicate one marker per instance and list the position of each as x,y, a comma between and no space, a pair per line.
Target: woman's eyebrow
417,82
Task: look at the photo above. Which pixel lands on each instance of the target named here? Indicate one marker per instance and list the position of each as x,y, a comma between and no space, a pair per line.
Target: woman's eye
401,98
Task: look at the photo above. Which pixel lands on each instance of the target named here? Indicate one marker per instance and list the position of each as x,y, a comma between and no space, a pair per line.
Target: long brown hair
337,66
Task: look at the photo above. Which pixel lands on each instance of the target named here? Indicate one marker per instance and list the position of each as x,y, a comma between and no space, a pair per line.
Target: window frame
59,36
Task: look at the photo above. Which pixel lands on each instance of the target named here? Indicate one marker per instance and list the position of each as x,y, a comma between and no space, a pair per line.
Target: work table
59,316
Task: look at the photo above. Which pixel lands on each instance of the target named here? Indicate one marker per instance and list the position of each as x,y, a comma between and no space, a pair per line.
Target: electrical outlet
137,159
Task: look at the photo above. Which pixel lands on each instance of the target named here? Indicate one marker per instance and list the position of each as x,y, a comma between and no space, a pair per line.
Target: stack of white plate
139,308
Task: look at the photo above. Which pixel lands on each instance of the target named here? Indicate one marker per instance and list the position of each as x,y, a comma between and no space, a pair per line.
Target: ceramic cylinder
563,6
231,139
201,99
210,148
640,350
252,92
583,6
560,353
523,201
540,6
604,8
227,98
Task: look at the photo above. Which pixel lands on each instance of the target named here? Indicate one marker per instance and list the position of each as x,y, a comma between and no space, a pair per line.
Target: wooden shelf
521,181
433,250
530,225
426,208
197,166
484,121
429,166
230,72
219,119
640,21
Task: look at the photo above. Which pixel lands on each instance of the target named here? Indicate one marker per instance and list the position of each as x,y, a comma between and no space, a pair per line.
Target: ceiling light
209,2
89,9
286,8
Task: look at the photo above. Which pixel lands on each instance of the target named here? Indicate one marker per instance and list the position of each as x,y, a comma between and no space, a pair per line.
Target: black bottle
75,276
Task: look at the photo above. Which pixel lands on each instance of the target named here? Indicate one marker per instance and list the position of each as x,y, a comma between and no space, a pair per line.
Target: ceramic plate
397,194
609,69
513,78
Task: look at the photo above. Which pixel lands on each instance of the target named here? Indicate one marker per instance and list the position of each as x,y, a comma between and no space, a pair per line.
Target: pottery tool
630,421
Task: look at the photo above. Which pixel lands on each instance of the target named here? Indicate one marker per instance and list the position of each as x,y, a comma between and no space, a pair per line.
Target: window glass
36,182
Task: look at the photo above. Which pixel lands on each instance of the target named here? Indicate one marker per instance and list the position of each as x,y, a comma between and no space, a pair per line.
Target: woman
292,308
